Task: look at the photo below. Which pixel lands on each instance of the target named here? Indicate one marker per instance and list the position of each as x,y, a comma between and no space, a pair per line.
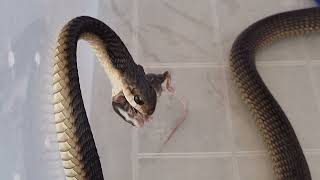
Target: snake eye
138,100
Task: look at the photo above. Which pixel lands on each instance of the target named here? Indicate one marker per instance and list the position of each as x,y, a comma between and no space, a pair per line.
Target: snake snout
127,112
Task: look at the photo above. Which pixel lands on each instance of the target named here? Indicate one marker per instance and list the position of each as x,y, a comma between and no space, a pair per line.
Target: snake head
138,98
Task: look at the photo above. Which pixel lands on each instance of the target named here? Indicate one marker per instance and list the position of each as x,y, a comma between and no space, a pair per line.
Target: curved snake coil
134,93
282,143
76,143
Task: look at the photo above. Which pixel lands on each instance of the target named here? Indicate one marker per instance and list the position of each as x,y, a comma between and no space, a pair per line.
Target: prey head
137,100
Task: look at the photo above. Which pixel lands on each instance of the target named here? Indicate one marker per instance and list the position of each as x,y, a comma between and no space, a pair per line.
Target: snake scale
282,143
134,93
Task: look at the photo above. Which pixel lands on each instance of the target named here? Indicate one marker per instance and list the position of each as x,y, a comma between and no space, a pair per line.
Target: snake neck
114,74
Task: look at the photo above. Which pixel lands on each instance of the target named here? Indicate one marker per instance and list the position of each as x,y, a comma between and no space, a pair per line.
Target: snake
135,93
288,159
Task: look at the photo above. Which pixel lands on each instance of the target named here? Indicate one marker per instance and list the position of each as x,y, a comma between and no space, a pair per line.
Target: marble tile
205,128
58,12
120,16
117,11
186,169
314,164
235,15
263,167
311,41
255,167
315,74
310,44
177,31
292,87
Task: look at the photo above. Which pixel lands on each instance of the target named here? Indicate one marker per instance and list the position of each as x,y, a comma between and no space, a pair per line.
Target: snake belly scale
289,162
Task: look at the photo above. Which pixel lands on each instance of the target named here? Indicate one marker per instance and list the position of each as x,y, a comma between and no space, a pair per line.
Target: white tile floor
192,39
219,139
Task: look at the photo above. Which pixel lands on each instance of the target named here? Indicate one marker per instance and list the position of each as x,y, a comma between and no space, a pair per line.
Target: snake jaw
127,112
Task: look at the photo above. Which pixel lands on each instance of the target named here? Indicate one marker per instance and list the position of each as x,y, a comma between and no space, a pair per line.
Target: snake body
134,93
282,143
76,143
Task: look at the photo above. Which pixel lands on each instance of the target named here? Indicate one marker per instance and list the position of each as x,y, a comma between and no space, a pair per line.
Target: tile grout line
312,151
314,62
183,65
235,167
216,26
204,64
237,175
184,155
313,85
214,154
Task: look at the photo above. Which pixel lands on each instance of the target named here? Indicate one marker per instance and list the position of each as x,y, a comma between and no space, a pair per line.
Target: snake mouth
127,112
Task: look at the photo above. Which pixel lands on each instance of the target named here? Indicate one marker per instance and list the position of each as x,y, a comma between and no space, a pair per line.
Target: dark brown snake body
76,143
282,143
